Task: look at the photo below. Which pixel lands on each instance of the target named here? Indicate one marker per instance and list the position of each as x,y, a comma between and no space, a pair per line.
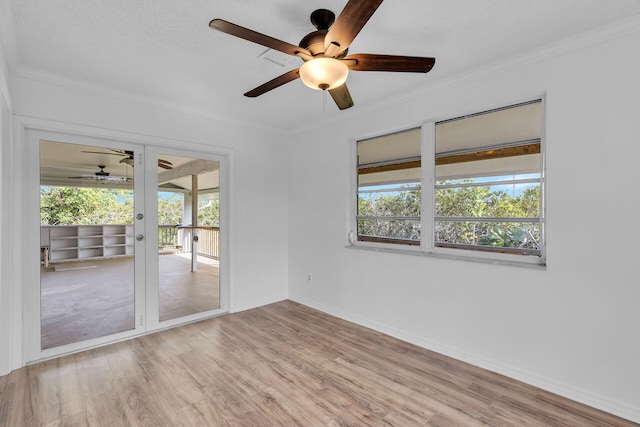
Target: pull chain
324,100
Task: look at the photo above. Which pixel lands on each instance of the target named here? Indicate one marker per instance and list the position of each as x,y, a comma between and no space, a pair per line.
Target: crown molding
29,73
571,44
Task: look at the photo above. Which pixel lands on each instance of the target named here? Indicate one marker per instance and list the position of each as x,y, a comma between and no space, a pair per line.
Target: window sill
532,262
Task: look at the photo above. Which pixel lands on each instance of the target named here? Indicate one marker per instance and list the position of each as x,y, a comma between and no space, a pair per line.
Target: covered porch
93,298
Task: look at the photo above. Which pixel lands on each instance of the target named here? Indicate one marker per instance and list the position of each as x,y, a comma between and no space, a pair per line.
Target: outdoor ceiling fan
102,175
324,52
128,157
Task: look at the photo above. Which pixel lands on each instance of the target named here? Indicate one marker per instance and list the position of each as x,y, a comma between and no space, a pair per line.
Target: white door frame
27,232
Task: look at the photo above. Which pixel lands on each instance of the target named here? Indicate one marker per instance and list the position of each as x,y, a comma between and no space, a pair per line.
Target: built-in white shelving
85,242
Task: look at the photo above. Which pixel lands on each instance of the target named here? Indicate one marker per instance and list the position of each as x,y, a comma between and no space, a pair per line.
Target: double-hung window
470,185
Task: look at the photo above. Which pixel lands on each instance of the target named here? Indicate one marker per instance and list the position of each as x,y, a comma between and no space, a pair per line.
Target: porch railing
168,237
178,237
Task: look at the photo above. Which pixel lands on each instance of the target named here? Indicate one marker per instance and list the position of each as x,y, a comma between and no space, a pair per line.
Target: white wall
572,328
259,198
4,365
5,135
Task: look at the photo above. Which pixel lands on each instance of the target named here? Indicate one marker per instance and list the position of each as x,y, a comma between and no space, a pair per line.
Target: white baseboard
594,400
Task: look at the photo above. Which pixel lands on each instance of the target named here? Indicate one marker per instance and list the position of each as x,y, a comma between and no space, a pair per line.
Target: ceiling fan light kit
324,73
324,52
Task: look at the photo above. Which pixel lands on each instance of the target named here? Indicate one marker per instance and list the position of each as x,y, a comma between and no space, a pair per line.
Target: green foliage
398,204
510,238
209,213
485,202
471,202
170,207
73,205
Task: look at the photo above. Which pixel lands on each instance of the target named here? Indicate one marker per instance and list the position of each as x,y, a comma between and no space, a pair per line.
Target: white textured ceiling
164,49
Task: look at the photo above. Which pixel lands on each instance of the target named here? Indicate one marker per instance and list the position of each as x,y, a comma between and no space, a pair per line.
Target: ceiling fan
324,52
128,157
102,175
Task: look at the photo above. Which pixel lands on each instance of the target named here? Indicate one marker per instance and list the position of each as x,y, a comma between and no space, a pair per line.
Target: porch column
194,223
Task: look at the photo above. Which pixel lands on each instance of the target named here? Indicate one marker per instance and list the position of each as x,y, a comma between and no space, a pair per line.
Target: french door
129,241
92,231
184,191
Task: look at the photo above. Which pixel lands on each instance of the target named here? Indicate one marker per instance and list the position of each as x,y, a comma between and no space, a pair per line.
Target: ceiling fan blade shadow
393,63
348,24
256,37
272,84
342,97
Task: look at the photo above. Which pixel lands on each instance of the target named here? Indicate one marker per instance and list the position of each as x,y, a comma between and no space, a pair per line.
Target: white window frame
427,245
352,229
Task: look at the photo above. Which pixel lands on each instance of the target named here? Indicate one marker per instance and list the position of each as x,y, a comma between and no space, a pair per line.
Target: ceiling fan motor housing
314,42
322,18
102,172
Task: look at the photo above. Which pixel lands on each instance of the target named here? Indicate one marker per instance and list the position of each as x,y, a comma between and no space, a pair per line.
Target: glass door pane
87,243
188,236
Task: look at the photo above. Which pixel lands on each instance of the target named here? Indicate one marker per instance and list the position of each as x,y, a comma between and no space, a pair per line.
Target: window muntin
389,189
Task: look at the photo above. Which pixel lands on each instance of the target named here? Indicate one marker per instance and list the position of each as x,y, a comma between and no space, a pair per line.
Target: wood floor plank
281,364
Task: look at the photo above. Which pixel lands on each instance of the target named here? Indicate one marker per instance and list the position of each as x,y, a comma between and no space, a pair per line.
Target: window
482,187
488,181
389,182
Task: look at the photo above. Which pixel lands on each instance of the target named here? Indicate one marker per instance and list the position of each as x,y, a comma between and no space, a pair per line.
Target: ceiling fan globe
324,73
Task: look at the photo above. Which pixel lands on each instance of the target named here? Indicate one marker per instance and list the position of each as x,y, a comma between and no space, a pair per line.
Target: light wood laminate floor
278,365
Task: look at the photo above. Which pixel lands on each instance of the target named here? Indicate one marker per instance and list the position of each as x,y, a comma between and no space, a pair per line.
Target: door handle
139,237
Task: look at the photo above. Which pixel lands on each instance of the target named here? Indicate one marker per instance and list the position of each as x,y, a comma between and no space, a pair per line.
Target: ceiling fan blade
166,162
102,152
342,97
164,166
374,62
272,84
348,24
123,152
254,36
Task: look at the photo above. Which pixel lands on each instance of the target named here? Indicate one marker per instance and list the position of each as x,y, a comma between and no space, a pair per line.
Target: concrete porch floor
91,299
